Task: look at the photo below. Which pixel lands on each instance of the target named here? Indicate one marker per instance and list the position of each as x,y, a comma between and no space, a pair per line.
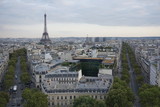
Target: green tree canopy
34,98
149,96
25,77
4,98
120,95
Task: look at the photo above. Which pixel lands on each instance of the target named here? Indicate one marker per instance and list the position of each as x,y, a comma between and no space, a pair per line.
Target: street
133,83
15,99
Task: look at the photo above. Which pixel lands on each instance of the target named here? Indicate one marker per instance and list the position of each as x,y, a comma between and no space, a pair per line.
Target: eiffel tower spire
45,37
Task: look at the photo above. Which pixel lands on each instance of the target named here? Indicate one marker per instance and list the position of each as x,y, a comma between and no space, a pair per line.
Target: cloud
93,12
101,12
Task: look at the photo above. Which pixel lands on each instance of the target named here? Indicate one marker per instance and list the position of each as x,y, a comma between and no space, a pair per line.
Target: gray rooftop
41,68
101,83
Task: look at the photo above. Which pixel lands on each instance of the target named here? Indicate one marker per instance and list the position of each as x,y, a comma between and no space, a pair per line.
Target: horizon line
84,37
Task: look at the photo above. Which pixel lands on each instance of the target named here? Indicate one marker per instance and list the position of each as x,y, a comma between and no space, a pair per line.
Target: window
52,98
74,97
65,97
95,97
57,97
61,97
52,103
100,97
70,97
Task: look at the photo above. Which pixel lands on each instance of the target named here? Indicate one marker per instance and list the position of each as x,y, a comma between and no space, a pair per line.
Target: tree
83,101
9,77
120,95
137,71
3,102
23,66
125,78
87,101
8,84
34,98
4,95
65,64
125,72
149,96
25,78
140,79
99,103
11,68
4,98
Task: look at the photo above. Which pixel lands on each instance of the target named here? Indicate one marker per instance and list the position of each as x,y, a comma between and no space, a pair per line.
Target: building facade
63,86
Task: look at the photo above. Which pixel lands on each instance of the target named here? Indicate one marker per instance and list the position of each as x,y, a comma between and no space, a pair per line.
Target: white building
155,72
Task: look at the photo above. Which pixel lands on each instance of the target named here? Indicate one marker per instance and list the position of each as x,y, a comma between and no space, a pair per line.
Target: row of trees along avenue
9,75
149,94
8,80
136,67
125,67
32,97
25,77
120,95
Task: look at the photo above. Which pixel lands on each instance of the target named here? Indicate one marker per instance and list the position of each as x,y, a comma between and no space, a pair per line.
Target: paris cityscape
112,63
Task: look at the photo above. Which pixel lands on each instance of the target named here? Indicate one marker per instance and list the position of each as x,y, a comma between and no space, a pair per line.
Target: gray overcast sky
24,18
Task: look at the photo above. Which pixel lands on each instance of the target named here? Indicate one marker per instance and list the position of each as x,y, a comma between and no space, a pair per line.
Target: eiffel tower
45,40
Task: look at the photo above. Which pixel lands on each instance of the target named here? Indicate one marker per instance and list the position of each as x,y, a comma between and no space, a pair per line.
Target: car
21,88
15,76
18,104
15,89
13,104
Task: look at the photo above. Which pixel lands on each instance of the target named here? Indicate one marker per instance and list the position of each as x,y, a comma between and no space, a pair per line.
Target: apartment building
63,86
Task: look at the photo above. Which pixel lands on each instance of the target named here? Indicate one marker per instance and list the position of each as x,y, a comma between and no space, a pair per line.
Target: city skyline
72,18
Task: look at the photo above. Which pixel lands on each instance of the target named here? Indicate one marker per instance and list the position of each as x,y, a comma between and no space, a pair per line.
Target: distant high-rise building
104,39
96,39
45,37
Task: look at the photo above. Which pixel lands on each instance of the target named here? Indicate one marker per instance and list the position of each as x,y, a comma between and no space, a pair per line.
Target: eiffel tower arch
45,40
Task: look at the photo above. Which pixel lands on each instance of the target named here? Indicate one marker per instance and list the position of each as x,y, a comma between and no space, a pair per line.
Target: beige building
63,86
